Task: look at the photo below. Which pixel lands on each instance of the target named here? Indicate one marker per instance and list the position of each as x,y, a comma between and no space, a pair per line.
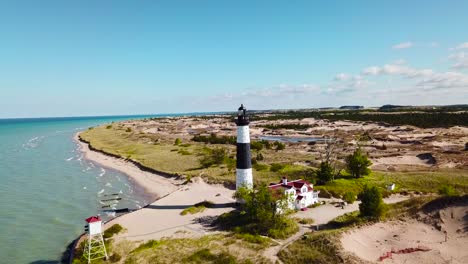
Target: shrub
177,141
256,145
115,257
349,197
114,229
215,156
372,204
279,145
259,157
108,126
197,208
214,139
184,152
128,129
324,173
447,190
260,167
275,167
358,164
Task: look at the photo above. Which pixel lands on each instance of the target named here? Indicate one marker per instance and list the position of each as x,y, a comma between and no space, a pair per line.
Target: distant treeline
214,139
287,126
424,120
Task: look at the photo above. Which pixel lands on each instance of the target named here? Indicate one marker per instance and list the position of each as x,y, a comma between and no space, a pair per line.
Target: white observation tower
243,162
95,248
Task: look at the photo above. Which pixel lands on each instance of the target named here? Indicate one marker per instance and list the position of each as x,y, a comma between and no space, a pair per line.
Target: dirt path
272,252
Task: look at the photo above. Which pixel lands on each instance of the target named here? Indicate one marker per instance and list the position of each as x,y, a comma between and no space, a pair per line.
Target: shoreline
144,178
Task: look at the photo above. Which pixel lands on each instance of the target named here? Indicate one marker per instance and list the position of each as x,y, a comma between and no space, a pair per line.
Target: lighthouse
244,164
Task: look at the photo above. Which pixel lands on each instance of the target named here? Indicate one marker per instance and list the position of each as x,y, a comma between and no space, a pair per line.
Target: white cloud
462,46
342,77
404,45
460,59
373,70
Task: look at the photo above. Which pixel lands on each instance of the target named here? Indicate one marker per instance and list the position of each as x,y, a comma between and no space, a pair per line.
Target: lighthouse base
244,178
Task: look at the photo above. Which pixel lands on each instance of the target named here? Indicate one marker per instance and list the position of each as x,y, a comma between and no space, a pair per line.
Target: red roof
93,219
299,197
296,184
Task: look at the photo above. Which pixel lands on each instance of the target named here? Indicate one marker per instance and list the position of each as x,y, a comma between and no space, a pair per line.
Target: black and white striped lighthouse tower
244,164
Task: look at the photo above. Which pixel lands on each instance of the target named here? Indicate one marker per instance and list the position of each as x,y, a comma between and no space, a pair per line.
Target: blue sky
69,58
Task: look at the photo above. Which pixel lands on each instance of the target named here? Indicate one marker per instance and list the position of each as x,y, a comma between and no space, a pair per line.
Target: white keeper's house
300,193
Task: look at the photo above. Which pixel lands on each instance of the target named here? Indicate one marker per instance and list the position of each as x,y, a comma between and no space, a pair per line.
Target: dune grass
160,154
218,248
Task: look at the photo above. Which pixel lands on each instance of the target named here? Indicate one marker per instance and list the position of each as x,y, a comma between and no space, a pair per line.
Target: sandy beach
162,217
155,186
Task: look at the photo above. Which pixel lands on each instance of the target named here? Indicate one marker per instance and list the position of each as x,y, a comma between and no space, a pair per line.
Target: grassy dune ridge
162,155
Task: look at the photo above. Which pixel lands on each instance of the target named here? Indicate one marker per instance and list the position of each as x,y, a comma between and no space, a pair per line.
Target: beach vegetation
275,167
197,208
111,231
206,256
184,152
258,214
128,130
279,145
447,190
260,167
259,157
115,258
317,247
177,141
256,145
108,126
349,197
358,164
287,126
213,156
215,139
372,204
325,173
147,245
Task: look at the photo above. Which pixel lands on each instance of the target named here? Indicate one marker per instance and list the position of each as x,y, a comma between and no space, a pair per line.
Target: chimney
284,181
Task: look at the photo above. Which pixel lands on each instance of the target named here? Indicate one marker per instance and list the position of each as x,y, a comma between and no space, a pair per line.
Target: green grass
206,256
141,148
424,181
197,208
218,248
318,247
111,231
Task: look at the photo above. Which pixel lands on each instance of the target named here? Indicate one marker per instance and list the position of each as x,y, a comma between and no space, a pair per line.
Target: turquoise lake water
47,189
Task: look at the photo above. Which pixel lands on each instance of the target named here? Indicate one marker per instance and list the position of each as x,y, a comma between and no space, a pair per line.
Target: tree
279,145
372,204
259,207
177,141
358,164
215,156
325,173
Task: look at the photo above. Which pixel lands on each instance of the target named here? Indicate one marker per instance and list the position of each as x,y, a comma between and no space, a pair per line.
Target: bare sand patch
162,218
400,160
371,242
